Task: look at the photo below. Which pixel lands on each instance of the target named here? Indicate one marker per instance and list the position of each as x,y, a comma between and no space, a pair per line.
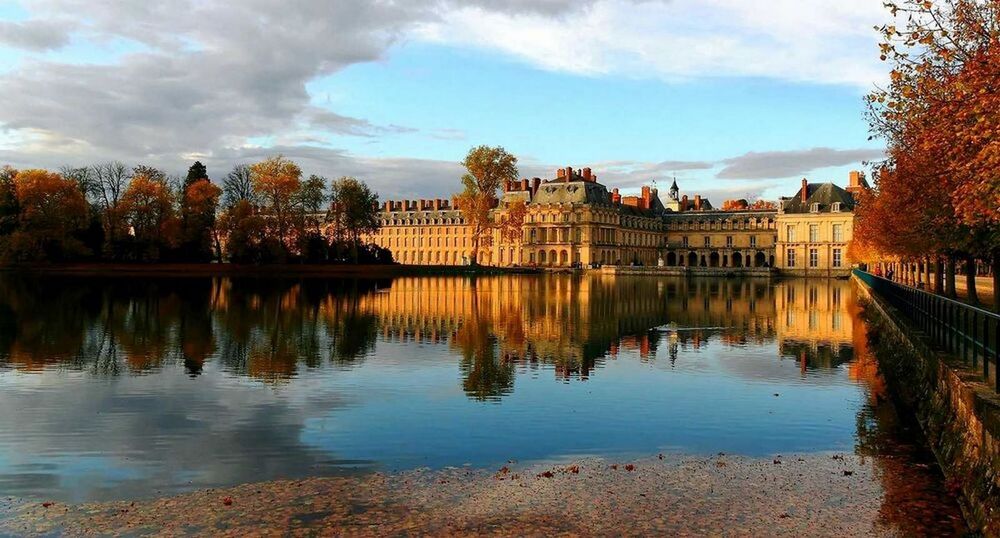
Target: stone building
572,220
815,228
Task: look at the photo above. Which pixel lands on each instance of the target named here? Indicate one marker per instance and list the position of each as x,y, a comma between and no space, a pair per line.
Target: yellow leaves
277,177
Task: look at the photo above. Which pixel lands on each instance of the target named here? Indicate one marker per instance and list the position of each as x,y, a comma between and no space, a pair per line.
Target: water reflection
131,387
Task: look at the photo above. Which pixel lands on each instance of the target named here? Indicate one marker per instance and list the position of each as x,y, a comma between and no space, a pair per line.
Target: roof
824,194
572,192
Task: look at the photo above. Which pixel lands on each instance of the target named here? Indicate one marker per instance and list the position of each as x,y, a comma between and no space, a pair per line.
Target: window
814,233
814,207
708,241
838,233
753,241
791,234
791,257
836,257
684,241
835,207
813,257
729,241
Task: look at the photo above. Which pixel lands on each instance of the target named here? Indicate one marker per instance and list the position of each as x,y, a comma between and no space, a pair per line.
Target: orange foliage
938,191
49,202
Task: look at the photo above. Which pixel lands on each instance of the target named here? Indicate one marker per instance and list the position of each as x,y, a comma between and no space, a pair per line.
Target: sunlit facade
572,220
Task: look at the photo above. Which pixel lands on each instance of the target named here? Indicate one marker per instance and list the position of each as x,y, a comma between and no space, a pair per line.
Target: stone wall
958,412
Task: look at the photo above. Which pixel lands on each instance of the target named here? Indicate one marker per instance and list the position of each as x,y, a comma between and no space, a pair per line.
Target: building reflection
816,320
273,330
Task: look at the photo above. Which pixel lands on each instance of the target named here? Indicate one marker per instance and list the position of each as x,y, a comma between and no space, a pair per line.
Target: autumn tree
198,210
199,200
51,211
486,170
353,212
245,233
938,118
148,208
276,182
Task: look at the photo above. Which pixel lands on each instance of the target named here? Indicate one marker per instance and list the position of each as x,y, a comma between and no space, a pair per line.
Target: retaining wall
958,412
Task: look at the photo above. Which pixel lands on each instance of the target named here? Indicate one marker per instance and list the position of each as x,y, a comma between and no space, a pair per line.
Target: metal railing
955,327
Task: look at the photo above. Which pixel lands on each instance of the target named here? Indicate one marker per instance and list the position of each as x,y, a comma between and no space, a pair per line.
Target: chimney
615,197
535,183
437,203
645,197
697,202
388,205
587,175
805,190
560,173
684,203
524,184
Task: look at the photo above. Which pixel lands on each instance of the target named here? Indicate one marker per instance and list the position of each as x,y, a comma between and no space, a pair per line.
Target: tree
938,118
51,211
111,180
8,201
245,233
353,212
148,207
196,172
486,170
238,186
276,181
198,206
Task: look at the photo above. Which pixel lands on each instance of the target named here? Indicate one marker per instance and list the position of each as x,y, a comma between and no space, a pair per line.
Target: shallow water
124,388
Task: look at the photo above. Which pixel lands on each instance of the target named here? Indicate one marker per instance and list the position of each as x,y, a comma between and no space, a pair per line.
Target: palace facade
572,220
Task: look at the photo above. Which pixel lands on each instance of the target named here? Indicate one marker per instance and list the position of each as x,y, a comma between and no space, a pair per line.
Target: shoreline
829,494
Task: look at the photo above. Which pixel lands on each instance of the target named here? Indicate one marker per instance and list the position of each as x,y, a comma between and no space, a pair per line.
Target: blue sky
735,100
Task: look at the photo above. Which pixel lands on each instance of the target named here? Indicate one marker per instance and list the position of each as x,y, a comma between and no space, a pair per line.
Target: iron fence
963,330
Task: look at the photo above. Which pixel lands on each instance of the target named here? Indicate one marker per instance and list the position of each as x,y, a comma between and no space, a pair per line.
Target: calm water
117,388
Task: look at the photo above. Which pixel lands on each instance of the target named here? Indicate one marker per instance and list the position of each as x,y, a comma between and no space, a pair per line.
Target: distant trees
264,213
486,170
937,195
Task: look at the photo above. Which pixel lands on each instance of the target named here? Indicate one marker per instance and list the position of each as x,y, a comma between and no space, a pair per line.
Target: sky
733,98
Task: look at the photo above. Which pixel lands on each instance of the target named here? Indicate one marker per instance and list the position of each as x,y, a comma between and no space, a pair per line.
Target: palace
572,220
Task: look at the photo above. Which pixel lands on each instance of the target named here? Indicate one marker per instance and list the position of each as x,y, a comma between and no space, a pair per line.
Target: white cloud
798,40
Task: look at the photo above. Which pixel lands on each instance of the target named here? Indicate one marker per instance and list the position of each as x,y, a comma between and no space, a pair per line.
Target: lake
116,388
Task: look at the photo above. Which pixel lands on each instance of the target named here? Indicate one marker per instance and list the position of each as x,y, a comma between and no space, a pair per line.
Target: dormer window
835,207
814,208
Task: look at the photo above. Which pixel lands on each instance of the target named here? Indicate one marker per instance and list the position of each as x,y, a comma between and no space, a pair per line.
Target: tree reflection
266,329
485,375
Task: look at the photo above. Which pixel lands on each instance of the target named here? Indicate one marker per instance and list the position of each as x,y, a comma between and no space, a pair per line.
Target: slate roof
824,194
573,192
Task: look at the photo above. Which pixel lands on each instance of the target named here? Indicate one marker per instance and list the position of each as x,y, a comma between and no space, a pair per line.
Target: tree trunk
970,280
949,282
939,276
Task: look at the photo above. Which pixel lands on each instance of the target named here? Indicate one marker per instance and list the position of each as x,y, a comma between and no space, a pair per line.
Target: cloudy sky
734,97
